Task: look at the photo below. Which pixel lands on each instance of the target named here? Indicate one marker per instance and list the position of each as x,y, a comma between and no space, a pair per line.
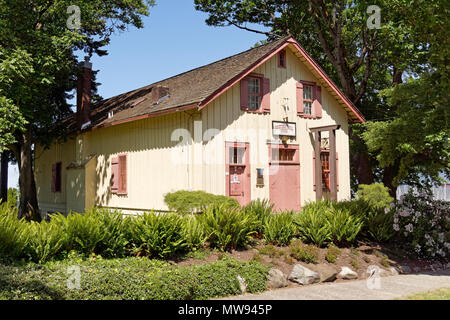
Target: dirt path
390,288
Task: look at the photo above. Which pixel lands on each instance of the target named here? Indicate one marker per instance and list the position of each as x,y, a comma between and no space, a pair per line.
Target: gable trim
308,58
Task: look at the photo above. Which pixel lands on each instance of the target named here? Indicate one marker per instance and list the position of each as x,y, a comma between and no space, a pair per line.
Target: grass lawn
440,294
128,279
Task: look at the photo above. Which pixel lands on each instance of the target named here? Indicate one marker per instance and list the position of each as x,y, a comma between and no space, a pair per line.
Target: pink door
284,177
238,172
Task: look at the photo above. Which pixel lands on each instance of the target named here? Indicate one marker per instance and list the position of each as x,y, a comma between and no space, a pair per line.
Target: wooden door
238,172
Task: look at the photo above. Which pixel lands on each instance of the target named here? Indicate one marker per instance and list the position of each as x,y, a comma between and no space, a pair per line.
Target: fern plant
280,228
194,232
312,225
14,235
262,210
343,226
47,240
228,228
159,235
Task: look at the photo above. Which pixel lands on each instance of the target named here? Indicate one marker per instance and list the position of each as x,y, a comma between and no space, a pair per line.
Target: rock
384,273
405,269
303,275
276,279
242,284
327,273
347,274
393,271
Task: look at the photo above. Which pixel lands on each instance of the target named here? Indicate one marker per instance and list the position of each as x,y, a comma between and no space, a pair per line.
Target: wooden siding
156,165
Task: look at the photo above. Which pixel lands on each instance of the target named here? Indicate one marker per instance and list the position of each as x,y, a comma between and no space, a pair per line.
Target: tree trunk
29,207
390,172
4,177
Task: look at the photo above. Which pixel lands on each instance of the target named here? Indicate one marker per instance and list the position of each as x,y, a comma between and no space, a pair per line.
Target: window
254,93
325,160
282,59
57,177
236,155
119,175
283,154
307,99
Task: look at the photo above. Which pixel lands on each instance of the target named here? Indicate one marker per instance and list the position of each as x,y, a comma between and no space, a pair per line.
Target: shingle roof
191,88
188,88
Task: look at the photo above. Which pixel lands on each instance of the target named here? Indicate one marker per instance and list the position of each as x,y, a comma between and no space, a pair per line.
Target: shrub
305,253
332,253
114,226
379,225
422,224
47,240
343,226
262,209
279,228
228,228
14,235
376,194
194,233
312,223
185,202
158,235
84,232
271,251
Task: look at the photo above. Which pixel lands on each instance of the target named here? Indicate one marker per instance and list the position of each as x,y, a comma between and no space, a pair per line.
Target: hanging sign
284,128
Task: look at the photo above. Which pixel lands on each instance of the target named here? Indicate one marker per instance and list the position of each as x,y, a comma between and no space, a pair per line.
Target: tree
362,60
38,69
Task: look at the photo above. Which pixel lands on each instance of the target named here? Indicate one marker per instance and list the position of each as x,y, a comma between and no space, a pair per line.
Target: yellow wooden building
265,123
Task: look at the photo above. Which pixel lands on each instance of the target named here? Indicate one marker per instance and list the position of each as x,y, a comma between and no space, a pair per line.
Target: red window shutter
244,94
299,94
54,178
114,175
265,102
314,171
317,105
122,174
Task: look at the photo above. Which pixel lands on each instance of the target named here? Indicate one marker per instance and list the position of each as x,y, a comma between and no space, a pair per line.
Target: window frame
259,95
315,97
282,55
57,177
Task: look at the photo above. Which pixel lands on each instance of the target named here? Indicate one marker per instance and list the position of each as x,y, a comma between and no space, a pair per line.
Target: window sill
307,116
256,111
284,162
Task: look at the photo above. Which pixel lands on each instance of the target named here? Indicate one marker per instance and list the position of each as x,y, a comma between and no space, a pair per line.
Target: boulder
303,275
276,279
405,269
326,272
347,274
393,271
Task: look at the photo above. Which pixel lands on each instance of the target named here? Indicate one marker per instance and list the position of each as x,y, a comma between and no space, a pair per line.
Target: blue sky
175,39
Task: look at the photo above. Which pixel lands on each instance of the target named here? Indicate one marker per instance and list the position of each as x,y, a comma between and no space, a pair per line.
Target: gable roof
200,86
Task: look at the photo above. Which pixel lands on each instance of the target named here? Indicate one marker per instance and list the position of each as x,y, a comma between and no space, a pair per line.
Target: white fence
440,193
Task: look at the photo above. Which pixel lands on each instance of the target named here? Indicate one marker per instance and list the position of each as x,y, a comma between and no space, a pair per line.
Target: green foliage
312,223
380,225
13,197
262,209
159,235
185,202
47,240
194,233
279,228
375,194
129,279
228,228
332,253
14,236
343,226
303,252
271,251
